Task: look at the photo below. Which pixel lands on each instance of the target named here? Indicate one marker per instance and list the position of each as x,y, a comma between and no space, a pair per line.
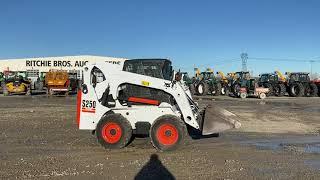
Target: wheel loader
16,82
57,82
118,101
275,82
299,84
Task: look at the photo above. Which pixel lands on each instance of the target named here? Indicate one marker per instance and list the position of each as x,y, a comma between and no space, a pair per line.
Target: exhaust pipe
216,120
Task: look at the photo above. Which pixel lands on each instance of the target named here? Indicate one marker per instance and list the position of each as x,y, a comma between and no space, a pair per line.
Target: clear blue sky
204,33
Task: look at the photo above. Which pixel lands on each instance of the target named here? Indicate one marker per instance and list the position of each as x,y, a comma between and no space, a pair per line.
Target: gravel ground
279,139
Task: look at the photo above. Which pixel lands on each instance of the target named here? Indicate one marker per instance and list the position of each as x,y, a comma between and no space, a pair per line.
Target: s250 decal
89,106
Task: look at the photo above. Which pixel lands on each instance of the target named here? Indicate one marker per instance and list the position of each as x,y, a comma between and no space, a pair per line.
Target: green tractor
299,84
208,84
237,82
189,82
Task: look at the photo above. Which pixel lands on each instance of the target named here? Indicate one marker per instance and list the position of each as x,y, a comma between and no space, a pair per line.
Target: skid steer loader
143,97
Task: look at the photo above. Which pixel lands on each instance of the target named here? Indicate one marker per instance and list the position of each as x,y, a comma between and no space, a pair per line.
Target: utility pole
244,58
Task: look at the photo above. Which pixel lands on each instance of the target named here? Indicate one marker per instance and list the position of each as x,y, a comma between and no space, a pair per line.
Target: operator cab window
154,68
264,78
295,77
304,77
99,74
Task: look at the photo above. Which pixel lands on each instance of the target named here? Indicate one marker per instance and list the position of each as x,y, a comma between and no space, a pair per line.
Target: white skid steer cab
143,97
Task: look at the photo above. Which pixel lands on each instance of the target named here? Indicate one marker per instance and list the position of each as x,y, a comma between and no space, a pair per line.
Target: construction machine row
54,82
237,84
242,84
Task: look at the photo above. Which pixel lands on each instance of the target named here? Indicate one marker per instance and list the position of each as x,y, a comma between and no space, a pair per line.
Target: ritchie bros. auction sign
54,63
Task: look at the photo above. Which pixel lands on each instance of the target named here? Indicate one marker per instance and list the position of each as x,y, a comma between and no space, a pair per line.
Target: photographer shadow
154,170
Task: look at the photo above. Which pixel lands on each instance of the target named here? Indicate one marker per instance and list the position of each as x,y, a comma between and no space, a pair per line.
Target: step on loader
143,97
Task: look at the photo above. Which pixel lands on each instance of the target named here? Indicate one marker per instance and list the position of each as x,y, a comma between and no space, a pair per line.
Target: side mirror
94,80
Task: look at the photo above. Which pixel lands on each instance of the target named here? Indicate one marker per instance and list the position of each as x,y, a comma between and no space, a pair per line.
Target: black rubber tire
283,90
174,121
218,89
2,84
125,128
192,89
28,90
235,89
226,91
296,90
205,89
40,87
271,89
313,90
243,95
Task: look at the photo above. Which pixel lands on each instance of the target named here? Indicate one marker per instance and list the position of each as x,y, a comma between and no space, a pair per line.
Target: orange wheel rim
111,132
167,134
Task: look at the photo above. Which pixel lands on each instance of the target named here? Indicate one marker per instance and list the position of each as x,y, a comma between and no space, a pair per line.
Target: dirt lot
279,139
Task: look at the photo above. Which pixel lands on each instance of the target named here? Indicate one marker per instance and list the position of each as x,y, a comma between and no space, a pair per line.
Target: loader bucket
217,120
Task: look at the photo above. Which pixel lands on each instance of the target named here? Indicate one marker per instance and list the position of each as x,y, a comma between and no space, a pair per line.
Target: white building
43,64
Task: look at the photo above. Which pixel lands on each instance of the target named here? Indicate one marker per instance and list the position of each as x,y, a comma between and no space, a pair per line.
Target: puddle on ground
313,163
309,144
